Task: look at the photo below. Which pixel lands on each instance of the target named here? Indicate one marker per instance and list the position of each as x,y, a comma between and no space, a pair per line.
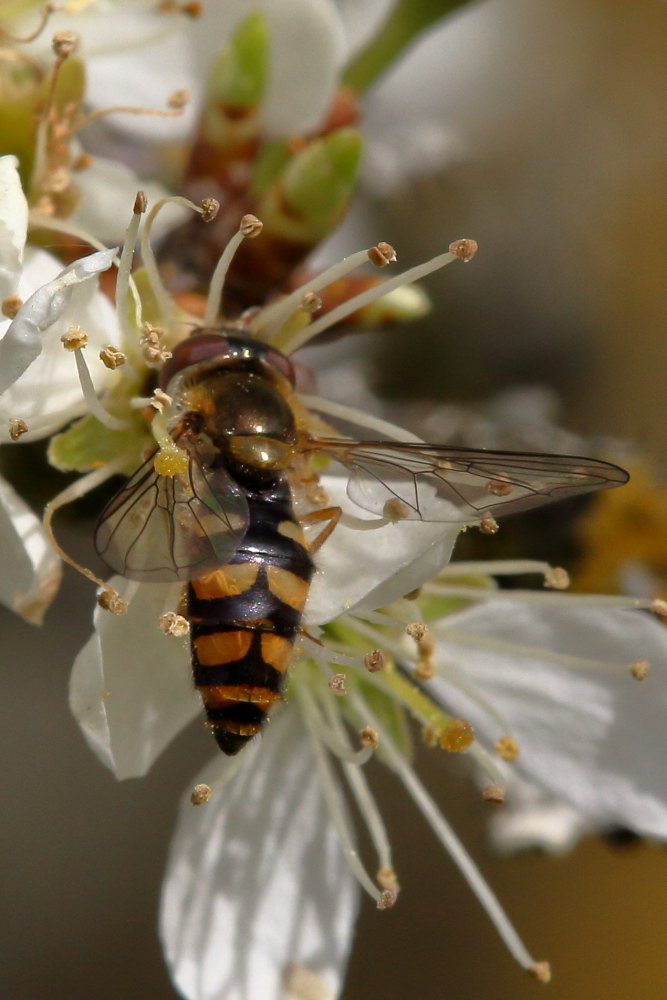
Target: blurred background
554,124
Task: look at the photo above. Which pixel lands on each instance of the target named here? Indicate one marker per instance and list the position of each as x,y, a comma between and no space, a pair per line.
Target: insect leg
330,514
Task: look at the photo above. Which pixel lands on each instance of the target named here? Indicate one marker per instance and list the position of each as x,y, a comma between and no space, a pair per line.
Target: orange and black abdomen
244,619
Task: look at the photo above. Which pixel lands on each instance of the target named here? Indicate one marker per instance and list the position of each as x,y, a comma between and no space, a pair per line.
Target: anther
310,302
507,748
457,737
488,525
413,595
11,305
209,209
74,339
499,487
494,794
112,357
369,737
178,99
431,736
193,9
387,899
659,607
64,43
424,669
375,661
171,461
160,399
17,427
416,630
337,684
140,203
174,624
640,669
540,971
388,878
382,254
110,600
200,794
557,578
465,250
152,350
250,226
82,162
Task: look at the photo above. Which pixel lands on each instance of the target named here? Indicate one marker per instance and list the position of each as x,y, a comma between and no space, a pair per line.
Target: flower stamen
249,228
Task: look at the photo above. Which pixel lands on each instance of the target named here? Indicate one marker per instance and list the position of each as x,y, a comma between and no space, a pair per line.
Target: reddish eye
199,347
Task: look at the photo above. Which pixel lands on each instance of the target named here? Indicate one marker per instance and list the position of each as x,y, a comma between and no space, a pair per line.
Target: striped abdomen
244,619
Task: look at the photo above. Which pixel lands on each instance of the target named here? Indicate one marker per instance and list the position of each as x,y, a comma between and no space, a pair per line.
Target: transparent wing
441,483
168,528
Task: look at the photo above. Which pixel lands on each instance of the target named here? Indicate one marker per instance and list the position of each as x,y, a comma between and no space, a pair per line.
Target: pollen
174,624
171,461
465,250
369,737
557,578
74,339
540,971
387,899
507,748
112,357
640,669
375,661
457,737
494,794
110,600
337,684
200,794
11,305
17,427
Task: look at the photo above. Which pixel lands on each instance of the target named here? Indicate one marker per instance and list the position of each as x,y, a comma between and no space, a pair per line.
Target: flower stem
404,22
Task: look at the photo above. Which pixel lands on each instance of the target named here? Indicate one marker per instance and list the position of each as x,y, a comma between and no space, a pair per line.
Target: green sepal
239,75
88,444
270,163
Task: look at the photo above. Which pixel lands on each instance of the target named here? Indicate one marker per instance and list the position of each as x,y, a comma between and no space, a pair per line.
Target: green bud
239,74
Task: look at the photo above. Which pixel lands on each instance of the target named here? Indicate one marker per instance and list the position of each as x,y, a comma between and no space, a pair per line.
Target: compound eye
198,347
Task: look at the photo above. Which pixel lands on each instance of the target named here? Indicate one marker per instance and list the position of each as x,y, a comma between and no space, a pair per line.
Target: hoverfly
227,525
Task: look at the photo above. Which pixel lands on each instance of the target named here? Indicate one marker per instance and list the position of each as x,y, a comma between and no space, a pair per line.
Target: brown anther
431,736
465,250
375,661
112,357
424,669
387,878
413,595
387,899
659,607
337,684
540,971
494,794
499,487
192,9
178,99
110,600
140,203
640,669
11,305
82,162
557,578
382,254
209,209
160,399
173,624
64,43
58,180
457,737
74,339
507,748
17,427
250,226
310,302
369,737
200,794
488,525
416,630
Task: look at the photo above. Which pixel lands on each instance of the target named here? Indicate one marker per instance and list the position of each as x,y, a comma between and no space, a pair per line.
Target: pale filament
335,740
381,427
90,396
439,589
217,284
162,297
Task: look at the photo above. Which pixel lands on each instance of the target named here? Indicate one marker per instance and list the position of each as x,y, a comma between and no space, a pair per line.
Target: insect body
224,520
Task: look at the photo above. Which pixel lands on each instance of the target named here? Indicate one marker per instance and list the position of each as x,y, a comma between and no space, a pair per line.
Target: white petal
131,687
592,738
531,819
48,394
13,225
257,884
369,569
108,190
307,49
31,570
